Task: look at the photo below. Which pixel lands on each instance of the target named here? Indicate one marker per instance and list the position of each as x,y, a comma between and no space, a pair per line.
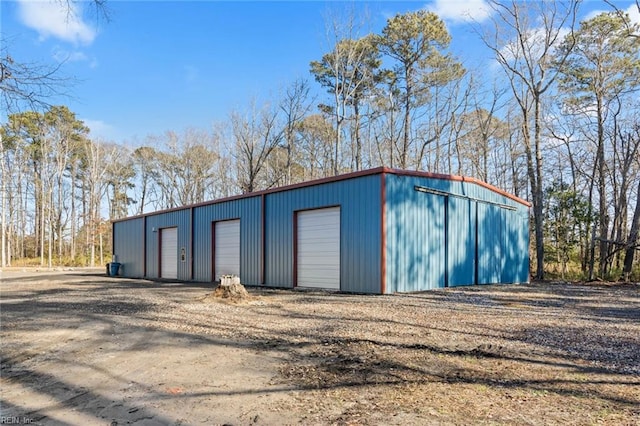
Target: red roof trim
456,178
352,175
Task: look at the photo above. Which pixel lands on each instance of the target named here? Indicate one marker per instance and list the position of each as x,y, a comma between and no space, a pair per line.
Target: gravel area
539,354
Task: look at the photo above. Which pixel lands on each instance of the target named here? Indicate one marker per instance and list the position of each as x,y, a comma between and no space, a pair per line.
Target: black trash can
108,269
115,266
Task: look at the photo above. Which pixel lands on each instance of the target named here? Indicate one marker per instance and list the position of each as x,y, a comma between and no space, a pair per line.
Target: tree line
554,121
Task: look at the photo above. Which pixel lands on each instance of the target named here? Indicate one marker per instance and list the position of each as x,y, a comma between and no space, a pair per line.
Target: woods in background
555,122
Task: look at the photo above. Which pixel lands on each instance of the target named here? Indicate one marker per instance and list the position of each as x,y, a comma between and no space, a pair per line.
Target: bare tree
348,72
295,105
524,40
255,135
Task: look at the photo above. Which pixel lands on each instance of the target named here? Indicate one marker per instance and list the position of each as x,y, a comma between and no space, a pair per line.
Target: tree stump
232,291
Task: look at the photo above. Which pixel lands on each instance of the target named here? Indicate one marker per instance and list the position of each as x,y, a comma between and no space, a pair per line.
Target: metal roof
346,176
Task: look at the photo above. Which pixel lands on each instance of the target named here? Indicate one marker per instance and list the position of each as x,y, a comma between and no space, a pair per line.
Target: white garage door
169,253
227,248
319,248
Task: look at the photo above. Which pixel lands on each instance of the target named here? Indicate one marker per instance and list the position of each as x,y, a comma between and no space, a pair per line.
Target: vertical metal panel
516,247
412,216
248,211
429,240
227,248
359,200
461,241
128,246
490,244
180,219
415,237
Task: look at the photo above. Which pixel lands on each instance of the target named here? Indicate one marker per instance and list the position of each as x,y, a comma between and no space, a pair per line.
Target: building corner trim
383,234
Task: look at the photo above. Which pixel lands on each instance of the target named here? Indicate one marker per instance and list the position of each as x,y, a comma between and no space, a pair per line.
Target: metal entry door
169,253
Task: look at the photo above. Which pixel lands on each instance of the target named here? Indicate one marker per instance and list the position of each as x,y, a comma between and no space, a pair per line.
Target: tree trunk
72,239
407,122
539,195
358,154
633,239
603,220
3,224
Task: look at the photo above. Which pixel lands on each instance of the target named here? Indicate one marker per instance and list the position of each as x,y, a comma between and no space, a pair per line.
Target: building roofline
330,179
457,178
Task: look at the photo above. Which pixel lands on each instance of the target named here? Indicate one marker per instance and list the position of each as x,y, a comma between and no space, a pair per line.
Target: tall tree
416,41
524,38
599,64
295,105
632,242
348,72
65,134
144,159
185,166
316,135
256,135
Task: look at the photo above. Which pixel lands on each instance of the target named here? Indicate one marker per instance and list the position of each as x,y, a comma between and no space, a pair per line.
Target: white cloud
534,43
99,129
50,18
634,13
461,10
63,55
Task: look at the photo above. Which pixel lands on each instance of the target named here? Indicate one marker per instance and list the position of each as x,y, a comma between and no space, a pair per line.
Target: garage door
319,248
169,253
227,248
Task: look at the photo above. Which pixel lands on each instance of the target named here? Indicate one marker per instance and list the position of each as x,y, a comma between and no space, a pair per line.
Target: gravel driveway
82,348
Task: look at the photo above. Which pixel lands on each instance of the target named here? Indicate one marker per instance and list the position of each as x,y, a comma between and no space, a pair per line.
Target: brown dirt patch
82,348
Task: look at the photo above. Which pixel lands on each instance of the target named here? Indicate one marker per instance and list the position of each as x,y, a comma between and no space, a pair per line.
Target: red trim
144,247
295,248
159,252
191,245
262,240
383,234
213,252
377,170
456,178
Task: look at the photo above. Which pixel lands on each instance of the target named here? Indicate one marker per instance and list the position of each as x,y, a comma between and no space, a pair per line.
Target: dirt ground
78,347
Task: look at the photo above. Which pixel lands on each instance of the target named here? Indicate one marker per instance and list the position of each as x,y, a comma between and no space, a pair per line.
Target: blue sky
160,65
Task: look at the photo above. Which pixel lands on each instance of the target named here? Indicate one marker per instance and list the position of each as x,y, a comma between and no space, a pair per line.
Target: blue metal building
374,231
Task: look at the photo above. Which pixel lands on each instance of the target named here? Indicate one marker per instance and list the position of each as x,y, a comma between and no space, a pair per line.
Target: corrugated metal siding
516,249
248,211
430,242
415,227
461,241
490,243
360,202
180,219
128,246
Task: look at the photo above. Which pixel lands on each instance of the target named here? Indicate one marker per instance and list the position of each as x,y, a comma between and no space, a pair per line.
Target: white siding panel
227,248
319,248
169,255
